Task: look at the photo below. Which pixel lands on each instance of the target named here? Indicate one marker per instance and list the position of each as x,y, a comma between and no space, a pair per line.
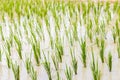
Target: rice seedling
115,6
36,53
48,30
59,49
97,29
25,29
28,65
114,35
83,52
97,41
109,16
102,48
110,62
89,30
55,62
19,46
117,28
75,33
33,36
95,69
68,73
38,49
33,73
47,67
9,60
74,62
107,6
39,33
56,19
90,35
16,71
102,27
84,14
96,22
40,29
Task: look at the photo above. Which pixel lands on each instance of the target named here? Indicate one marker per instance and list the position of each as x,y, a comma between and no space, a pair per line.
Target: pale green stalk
68,73
95,69
47,67
19,46
83,52
102,49
16,71
74,62
110,62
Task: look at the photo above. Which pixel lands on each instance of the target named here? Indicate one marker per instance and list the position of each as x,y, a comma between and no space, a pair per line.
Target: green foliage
16,71
110,61
19,46
83,53
28,65
36,50
102,47
33,73
68,73
47,67
74,61
95,69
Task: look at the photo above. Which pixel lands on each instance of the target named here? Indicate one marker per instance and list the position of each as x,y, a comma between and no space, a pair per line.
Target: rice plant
33,73
95,69
19,46
48,30
89,30
16,71
36,51
56,65
28,65
74,62
83,53
9,60
68,73
102,48
114,35
75,33
97,42
33,35
47,67
59,50
117,28
110,62
116,6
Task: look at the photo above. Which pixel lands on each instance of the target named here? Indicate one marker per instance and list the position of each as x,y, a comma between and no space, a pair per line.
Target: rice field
59,40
